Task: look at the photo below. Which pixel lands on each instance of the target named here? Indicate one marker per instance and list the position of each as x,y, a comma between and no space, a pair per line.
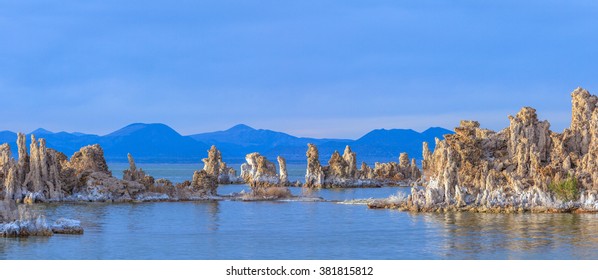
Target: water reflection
516,236
214,215
304,230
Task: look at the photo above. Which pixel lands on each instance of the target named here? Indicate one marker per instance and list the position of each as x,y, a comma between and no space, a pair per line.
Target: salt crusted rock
66,226
258,171
261,176
481,170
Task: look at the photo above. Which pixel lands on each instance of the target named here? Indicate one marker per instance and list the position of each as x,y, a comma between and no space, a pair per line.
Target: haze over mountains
160,143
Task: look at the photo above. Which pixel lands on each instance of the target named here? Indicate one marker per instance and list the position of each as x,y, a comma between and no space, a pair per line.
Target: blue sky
310,68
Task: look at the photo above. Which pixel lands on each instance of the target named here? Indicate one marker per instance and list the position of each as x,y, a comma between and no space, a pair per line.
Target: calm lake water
302,230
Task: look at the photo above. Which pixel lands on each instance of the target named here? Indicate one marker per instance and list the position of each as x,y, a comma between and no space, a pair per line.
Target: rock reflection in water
516,236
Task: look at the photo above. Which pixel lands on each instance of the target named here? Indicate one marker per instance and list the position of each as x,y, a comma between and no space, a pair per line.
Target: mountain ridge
158,142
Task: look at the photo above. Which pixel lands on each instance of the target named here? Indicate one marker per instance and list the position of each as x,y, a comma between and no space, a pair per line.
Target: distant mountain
160,143
386,145
151,142
377,145
241,139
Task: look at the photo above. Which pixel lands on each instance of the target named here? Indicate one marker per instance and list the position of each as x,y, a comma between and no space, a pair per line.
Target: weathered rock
212,163
89,159
366,172
214,166
314,176
137,175
259,172
350,159
404,173
43,178
204,184
11,187
48,175
481,170
261,176
23,163
282,166
342,172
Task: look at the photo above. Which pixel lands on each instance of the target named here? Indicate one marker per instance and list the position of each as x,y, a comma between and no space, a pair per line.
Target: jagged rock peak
212,163
314,175
134,174
404,160
526,116
132,166
351,162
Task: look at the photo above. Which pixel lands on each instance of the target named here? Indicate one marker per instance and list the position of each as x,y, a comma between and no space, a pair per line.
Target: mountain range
160,143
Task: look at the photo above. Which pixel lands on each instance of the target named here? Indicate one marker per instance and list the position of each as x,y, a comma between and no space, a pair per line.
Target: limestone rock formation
342,171
47,175
258,171
204,184
521,167
314,176
282,166
261,176
39,173
214,166
137,175
89,159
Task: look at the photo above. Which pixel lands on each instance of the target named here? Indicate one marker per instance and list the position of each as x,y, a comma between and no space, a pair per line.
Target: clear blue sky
310,68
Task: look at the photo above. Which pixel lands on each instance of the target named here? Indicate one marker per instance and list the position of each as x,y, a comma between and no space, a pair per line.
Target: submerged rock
66,226
25,228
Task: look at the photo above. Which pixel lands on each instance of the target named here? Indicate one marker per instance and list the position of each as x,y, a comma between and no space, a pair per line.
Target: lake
301,230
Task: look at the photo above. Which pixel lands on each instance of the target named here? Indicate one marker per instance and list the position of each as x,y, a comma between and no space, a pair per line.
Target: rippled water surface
304,230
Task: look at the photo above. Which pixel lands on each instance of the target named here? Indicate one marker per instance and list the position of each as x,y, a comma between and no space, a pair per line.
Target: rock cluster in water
46,175
260,174
525,167
342,171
